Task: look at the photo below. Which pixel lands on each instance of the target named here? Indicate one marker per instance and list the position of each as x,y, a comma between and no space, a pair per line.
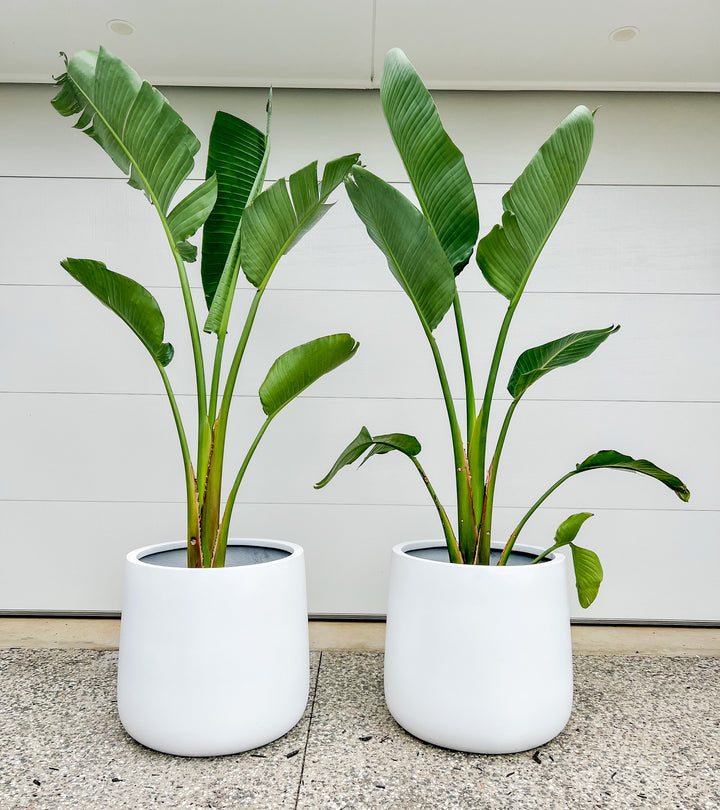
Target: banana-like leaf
189,215
414,254
128,299
274,222
299,367
535,363
611,459
377,445
588,574
436,166
237,154
130,120
533,205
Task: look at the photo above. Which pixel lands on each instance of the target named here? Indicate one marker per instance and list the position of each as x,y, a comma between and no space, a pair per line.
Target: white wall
91,467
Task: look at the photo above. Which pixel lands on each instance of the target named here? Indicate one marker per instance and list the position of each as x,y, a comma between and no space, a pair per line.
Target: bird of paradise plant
245,228
426,249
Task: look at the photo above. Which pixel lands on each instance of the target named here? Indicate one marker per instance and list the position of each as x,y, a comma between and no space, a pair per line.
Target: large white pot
213,661
478,658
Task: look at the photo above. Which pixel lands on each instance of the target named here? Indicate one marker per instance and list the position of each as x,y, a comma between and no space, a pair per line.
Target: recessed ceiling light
624,34
122,27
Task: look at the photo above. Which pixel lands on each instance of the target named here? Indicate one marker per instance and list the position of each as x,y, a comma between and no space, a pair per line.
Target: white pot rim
135,557
554,558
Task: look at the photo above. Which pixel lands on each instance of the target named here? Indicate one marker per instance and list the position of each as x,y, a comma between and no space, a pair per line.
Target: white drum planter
478,658
213,661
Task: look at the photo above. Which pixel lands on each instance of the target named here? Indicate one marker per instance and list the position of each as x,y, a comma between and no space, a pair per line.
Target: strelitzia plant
426,249
244,229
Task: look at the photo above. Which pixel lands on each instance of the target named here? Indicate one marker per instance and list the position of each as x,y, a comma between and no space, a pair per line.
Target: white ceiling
468,44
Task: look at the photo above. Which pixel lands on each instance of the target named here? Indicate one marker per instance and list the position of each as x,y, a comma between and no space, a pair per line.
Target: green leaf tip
537,362
611,459
301,366
377,445
127,299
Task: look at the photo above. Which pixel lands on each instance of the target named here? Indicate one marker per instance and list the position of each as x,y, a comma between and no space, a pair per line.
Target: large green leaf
611,459
436,166
535,363
299,367
190,214
274,221
588,574
414,255
533,205
128,299
130,120
377,445
237,154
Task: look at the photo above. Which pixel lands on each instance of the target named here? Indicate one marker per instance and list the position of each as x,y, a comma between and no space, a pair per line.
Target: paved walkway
645,733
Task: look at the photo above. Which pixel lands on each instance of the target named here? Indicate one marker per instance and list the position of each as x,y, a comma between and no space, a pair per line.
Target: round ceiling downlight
624,34
122,27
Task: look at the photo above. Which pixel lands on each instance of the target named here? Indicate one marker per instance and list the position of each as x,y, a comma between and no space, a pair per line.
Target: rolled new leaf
131,120
301,366
536,363
127,299
414,254
612,460
377,445
533,205
436,166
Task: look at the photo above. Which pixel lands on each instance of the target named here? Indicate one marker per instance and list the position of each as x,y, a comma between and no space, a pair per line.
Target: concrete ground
644,733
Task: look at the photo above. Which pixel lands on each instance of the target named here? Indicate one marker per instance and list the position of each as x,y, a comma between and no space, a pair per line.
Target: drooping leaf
189,215
611,459
533,205
237,155
436,167
414,255
271,225
388,442
350,454
377,445
301,366
127,299
535,363
588,574
130,120
568,529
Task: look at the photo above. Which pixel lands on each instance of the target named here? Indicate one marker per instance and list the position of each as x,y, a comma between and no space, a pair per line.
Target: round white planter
213,661
478,658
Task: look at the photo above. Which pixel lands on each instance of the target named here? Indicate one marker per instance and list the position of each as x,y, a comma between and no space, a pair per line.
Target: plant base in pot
213,661
478,658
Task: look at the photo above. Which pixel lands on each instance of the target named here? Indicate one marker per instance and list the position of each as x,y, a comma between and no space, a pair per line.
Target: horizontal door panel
123,448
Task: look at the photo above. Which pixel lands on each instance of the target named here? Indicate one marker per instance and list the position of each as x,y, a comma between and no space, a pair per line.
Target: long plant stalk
492,475
467,368
453,548
513,537
220,547
466,518
485,517
194,548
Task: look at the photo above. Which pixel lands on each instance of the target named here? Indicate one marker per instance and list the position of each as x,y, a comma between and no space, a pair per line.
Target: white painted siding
91,463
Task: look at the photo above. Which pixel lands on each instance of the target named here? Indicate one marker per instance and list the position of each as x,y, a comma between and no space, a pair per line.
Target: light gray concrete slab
62,746
645,732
